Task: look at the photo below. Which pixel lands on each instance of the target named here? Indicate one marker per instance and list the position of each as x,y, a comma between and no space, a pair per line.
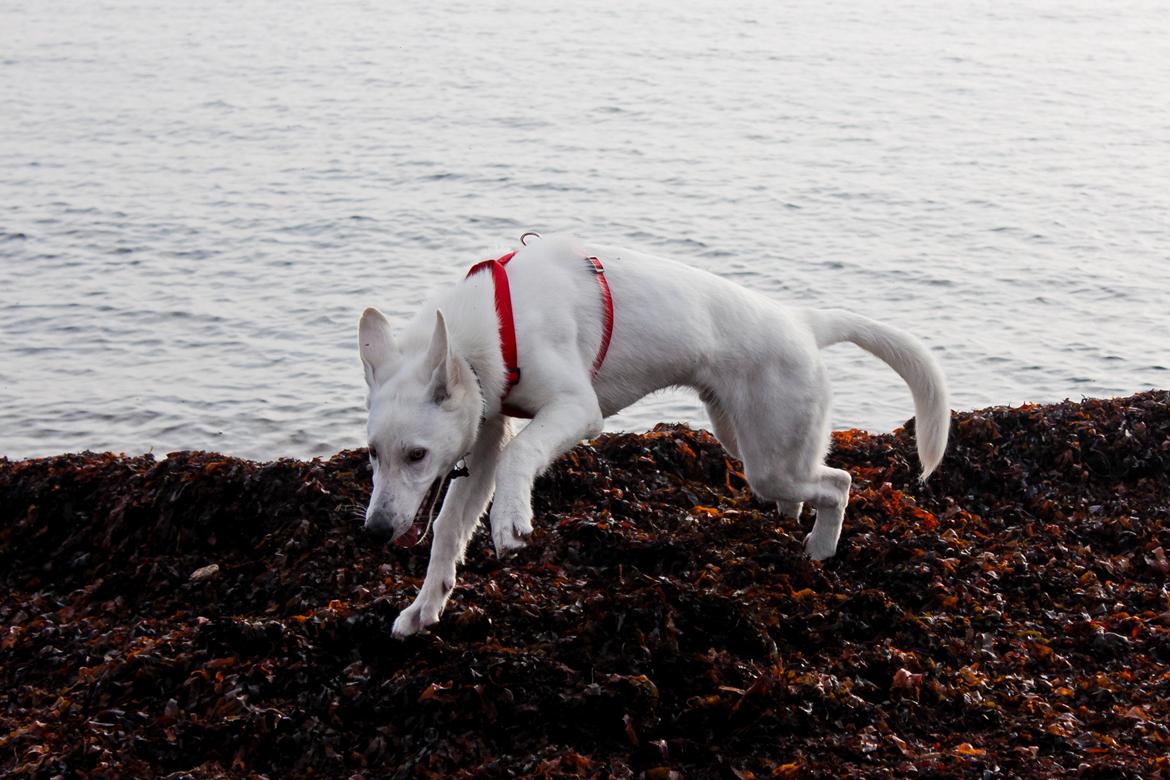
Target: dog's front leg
464,504
553,431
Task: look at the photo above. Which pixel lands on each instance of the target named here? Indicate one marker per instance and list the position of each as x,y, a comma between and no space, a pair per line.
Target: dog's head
424,415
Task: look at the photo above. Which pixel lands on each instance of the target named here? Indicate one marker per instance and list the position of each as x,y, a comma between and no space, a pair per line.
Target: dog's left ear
376,344
447,378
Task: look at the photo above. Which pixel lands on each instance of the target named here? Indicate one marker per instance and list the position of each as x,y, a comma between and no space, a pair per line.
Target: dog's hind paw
790,508
414,619
819,548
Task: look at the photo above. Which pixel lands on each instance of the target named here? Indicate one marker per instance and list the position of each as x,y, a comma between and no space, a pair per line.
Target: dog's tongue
410,538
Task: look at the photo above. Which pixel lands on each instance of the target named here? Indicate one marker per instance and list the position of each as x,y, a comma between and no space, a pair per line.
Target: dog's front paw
511,526
414,619
819,547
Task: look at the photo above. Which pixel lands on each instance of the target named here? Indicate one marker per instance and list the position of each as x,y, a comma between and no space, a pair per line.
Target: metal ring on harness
526,235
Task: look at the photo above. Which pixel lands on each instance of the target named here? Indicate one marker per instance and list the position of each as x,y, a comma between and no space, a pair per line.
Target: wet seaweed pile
206,616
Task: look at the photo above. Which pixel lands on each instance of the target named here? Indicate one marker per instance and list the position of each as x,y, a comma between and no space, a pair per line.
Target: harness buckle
460,470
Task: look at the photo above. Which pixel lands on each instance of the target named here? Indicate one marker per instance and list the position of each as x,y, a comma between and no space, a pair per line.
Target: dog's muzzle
381,522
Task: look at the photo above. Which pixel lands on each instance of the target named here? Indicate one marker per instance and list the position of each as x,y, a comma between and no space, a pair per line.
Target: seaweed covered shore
203,616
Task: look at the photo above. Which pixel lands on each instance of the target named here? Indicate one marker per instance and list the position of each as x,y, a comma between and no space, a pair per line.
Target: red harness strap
607,302
508,324
504,312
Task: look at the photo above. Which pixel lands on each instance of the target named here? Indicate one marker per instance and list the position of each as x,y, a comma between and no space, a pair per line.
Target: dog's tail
910,358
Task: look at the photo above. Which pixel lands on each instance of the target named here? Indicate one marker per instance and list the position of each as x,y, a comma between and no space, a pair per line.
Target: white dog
437,392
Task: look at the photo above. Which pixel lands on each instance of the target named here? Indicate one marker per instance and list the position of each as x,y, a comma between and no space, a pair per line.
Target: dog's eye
373,452
415,454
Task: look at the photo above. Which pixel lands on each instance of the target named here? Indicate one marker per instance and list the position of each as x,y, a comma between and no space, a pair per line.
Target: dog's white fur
755,363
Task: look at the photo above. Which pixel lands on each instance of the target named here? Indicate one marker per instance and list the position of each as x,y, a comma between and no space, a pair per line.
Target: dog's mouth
425,516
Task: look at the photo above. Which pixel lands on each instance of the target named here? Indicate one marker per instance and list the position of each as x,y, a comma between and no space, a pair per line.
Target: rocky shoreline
205,616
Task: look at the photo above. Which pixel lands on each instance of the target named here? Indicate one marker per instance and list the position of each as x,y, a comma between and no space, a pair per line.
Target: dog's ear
376,345
444,365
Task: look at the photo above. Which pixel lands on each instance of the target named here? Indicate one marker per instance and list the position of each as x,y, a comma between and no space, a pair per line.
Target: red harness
508,324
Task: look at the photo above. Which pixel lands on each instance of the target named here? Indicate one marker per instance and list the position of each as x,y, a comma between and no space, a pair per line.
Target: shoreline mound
203,616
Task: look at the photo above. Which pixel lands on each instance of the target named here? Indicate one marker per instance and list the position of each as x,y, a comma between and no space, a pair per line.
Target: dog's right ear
376,345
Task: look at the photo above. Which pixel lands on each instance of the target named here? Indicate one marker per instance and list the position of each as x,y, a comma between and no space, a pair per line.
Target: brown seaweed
205,616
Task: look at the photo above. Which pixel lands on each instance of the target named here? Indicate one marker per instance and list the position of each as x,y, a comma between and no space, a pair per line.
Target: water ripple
197,201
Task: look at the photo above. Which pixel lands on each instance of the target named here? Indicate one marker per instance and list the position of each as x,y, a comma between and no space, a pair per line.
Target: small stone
171,711
205,573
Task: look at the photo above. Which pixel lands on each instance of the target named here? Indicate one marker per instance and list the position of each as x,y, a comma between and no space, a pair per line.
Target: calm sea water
198,198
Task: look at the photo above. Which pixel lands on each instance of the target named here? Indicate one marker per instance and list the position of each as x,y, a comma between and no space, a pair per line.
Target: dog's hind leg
721,423
724,430
790,508
466,500
783,435
831,494
827,489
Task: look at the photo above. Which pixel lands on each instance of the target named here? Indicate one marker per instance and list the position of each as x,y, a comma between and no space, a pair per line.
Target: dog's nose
378,523
378,529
